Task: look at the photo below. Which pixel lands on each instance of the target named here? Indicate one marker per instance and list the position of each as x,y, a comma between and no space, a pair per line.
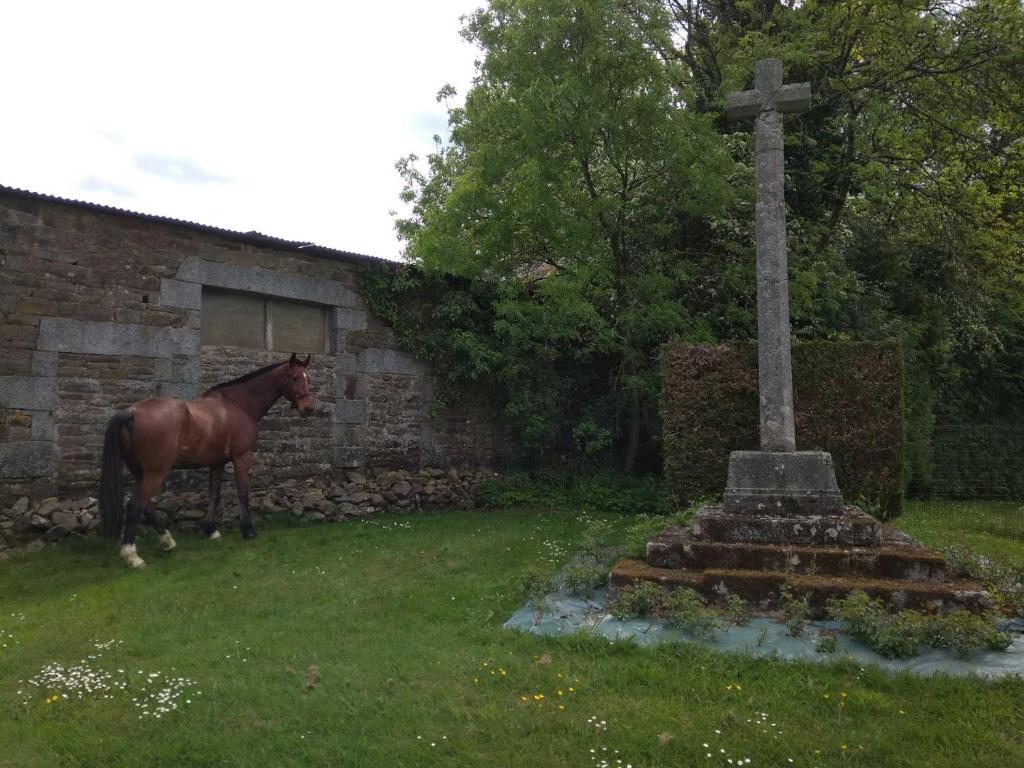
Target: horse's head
296,385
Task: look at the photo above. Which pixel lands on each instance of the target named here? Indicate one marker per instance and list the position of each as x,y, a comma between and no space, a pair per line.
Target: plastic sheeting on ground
567,614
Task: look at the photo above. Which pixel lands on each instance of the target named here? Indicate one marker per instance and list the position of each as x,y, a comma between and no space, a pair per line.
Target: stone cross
767,103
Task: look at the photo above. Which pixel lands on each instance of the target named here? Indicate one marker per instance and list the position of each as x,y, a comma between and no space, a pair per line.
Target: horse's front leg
213,511
242,465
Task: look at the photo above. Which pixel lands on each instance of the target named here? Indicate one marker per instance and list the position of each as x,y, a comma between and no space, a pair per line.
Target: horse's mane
246,377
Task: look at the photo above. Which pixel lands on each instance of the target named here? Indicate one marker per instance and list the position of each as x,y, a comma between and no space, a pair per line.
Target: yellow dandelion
571,689
842,746
561,706
476,679
843,695
523,698
559,693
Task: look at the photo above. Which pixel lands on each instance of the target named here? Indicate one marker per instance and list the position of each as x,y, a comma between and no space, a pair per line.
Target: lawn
380,644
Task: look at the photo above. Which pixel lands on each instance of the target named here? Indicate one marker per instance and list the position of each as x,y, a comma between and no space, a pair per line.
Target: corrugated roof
250,238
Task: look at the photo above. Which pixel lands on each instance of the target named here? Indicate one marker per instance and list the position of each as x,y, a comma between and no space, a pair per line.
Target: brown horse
159,433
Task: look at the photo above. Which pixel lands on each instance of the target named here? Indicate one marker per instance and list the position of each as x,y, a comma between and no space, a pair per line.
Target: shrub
848,401
797,612
584,573
900,635
964,632
1004,584
687,610
827,642
536,582
737,610
894,636
643,599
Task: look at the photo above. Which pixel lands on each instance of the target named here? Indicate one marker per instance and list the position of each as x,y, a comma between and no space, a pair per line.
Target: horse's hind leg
142,499
167,542
128,551
213,512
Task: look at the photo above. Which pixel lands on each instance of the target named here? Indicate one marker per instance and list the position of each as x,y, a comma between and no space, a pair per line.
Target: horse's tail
111,493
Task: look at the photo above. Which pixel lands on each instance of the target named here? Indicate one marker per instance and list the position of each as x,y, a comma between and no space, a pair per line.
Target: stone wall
100,308
349,495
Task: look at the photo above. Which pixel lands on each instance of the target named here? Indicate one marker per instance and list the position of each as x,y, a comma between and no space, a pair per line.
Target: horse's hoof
214,536
167,542
248,533
131,557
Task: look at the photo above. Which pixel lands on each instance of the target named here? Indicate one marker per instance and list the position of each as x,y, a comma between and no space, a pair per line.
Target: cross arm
740,104
795,97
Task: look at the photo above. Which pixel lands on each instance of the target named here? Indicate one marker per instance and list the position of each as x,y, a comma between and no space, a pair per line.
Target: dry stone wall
350,495
101,308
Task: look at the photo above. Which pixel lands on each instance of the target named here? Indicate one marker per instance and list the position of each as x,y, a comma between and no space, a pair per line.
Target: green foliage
899,635
686,609
584,574
1005,584
536,583
571,185
643,599
848,401
963,632
827,643
590,203
895,636
737,610
639,532
796,611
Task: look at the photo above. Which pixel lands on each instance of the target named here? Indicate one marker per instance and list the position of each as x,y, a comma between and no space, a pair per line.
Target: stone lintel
782,483
63,334
268,282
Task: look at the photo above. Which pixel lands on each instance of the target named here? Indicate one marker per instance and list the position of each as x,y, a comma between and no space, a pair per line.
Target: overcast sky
284,117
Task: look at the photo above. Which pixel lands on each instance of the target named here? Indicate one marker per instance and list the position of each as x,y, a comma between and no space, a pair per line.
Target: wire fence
973,461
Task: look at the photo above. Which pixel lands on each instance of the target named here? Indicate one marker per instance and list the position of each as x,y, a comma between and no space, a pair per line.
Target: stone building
101,307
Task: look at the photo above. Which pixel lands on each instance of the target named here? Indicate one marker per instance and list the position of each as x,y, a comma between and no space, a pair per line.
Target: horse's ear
309,358
293,360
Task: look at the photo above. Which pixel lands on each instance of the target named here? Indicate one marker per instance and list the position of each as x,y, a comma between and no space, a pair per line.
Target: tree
574,180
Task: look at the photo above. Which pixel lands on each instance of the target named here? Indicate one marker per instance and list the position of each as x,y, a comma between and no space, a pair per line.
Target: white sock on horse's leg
130,557
167,542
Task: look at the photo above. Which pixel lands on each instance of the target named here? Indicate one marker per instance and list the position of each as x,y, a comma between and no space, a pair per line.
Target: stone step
852,528
762,589
896,557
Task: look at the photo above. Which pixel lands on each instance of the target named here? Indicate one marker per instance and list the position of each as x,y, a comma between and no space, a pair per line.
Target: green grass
994,528
402,622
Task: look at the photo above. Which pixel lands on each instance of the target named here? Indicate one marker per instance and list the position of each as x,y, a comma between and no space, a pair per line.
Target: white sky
283,117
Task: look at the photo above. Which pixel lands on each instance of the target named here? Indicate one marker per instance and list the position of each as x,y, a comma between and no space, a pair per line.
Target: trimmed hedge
848,401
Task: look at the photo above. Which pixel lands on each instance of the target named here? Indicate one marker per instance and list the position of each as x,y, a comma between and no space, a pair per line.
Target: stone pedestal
782,483
783,526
